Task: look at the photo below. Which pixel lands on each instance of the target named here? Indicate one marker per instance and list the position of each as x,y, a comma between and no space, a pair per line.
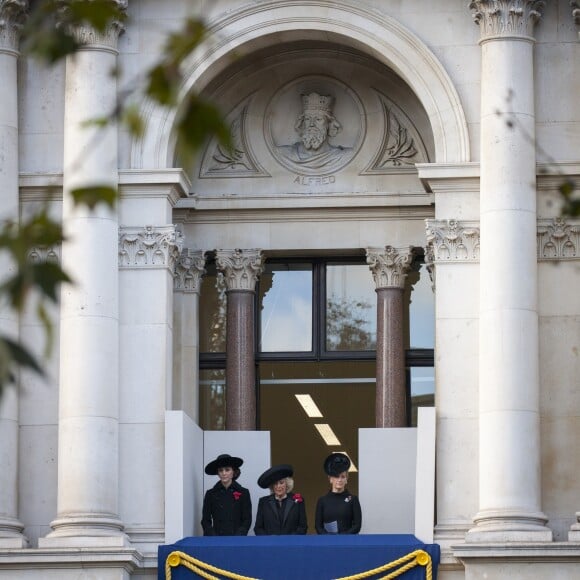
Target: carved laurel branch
506,17
189,270
149,247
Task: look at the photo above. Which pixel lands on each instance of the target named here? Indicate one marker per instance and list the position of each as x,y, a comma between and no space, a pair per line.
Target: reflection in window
212,399
422,390
285,292
212,311
422,311
351,320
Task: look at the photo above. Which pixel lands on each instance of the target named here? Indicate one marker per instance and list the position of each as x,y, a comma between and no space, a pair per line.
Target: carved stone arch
270,22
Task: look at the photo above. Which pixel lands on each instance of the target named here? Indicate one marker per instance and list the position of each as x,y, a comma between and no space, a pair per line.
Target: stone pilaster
189,271
509,424
88,453
12,15
241,269
389,267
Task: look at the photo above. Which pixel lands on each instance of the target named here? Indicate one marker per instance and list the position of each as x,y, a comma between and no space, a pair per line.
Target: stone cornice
149,247
241,268
389,265
506,18
172,184
189,270
12,16
558,239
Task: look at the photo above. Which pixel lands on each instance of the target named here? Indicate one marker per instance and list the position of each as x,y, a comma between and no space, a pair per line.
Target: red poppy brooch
237,495
297,498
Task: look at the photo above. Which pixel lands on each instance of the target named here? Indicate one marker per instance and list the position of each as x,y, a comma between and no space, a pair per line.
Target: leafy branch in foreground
48,35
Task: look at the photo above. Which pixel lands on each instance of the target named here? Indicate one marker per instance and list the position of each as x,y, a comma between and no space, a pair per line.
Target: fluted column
241,269
12,14
509,425
389,267
189,271
88,451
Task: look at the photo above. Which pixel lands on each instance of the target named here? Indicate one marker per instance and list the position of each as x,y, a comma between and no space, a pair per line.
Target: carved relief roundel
314,125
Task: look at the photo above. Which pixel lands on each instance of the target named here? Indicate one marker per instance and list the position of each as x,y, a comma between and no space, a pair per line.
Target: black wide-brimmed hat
223,460
274,474
336,463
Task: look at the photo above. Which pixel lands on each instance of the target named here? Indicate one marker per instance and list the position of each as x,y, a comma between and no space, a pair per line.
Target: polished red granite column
389,268
241,269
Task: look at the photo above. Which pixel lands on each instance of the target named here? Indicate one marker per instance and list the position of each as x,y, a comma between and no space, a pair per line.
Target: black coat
291,520
226,512
342,508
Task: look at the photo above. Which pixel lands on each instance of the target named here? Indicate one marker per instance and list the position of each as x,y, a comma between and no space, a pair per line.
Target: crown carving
149,247
315,102
389,266
506,17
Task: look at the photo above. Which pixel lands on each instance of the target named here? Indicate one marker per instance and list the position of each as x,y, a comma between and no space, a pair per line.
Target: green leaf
92,196
163,83
133,120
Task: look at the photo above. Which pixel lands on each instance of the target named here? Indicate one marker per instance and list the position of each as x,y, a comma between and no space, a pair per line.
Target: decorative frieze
558,239
241,268
390,265
189,270
44,255
451,241
12,16
149,247
506,17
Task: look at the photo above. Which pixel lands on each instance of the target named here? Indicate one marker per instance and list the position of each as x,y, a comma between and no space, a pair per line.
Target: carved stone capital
390,265
558,239
451,241
149,247
506,17
241,268
189,270
92,39
44,254
12,16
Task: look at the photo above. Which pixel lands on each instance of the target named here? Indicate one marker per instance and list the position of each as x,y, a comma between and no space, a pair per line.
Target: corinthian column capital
92,39
506,17
12,16
189,270
390,265
241,268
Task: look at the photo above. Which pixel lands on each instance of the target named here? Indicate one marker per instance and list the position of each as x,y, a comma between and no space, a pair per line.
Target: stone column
241,269
509,422
187,282
389,267
88,450
12,14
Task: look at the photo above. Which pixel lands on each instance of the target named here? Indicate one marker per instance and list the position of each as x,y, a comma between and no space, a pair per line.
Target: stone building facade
395,145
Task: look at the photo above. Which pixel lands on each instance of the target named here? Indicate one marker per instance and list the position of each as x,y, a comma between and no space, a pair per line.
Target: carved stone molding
44,254
390,265
12,16
149,247
189,270
241,268
558,239
451,241
506,17
90,38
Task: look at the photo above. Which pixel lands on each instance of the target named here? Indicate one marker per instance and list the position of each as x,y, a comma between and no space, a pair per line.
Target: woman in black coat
281,512
227,507
338,512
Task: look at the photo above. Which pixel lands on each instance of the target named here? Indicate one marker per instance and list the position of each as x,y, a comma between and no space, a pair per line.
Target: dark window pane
422,390
285,294
422,312
212,399
212,312
351,319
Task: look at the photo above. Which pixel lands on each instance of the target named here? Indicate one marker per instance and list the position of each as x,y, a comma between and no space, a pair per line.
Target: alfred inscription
307,180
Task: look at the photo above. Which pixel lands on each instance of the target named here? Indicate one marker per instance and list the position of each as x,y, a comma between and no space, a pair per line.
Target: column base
86,531
509,526
11,535
574,533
